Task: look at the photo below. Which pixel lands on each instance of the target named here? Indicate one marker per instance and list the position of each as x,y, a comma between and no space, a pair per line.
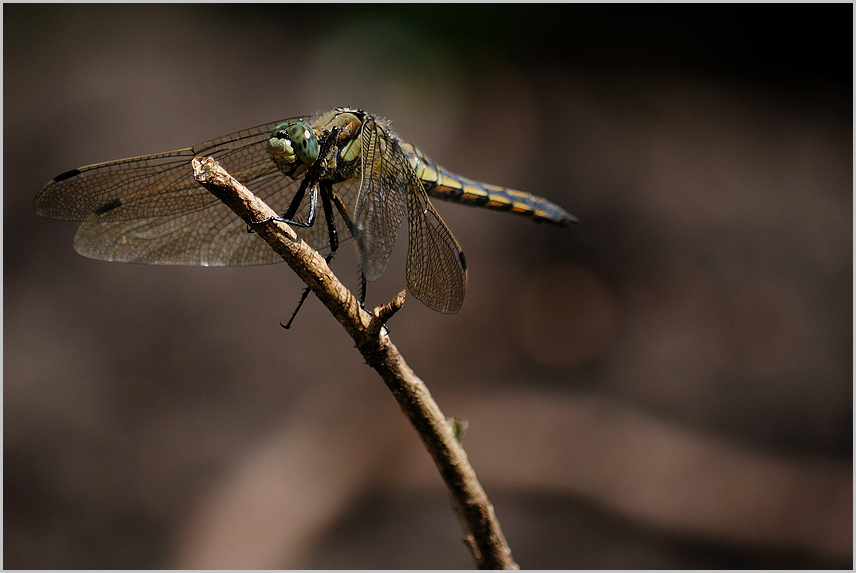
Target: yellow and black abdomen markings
447,186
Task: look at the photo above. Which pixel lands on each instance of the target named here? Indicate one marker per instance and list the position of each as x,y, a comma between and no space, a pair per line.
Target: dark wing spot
67,175
463,260
107,207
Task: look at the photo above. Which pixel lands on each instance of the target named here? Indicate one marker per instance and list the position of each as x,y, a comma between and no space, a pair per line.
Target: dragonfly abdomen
447,186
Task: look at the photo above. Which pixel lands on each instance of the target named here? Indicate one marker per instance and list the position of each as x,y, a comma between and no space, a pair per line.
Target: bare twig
483,533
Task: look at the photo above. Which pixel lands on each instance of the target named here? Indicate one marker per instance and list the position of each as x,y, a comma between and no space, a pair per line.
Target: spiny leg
326,193
343,211
288,216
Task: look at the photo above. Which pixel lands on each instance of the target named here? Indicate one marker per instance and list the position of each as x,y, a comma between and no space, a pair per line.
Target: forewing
436,267
380,203
149,209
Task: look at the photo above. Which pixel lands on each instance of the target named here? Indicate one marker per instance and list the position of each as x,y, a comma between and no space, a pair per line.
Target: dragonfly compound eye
304,141
280,144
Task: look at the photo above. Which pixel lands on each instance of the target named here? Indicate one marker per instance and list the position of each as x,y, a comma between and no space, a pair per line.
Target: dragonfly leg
346,216
299,305
326,194
288,217
362,289
327,207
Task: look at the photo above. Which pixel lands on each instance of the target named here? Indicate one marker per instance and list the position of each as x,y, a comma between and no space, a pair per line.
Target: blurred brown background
666,385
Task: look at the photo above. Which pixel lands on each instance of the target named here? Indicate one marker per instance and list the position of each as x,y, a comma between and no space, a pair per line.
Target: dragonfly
346,164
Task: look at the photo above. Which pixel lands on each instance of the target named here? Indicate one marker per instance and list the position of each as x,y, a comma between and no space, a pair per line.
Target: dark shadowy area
707,290
599,540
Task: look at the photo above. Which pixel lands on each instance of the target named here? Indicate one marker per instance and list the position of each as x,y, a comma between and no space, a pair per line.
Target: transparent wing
154,185
436,267
380,204
149,209
212,236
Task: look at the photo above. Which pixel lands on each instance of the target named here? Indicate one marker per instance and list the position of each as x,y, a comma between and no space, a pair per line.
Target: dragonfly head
294,147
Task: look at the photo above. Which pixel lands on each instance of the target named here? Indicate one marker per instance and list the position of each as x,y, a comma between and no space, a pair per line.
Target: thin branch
483,533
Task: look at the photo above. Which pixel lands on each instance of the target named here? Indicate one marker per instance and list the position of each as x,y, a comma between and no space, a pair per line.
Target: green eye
304,142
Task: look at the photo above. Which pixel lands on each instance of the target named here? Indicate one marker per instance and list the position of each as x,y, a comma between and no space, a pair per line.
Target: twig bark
483,533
